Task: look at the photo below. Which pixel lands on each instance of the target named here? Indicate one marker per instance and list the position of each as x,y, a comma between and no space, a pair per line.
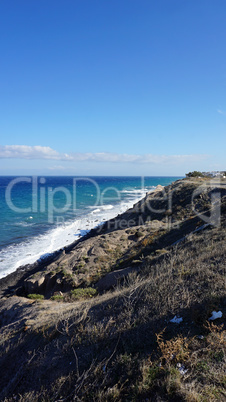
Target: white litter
181,368
176,320
200,337
215,315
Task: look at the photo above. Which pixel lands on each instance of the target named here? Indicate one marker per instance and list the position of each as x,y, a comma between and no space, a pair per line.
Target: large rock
113,279
34,285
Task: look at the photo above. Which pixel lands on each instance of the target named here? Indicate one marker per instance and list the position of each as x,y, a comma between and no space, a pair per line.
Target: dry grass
108,346
122,346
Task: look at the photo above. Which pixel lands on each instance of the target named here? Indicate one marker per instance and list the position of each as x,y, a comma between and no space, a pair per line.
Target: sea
39,215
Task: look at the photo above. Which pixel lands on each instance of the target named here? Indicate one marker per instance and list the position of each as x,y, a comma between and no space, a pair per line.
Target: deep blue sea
39,215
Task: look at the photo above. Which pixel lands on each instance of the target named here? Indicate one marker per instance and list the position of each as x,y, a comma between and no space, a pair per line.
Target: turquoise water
42,214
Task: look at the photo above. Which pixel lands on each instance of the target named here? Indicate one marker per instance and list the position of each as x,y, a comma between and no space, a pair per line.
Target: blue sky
103,87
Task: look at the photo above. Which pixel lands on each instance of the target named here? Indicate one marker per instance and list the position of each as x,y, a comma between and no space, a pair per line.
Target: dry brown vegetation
122,345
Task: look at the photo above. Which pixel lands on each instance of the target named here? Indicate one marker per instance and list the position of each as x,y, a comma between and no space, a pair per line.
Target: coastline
64,235
148,272
15,278
10,280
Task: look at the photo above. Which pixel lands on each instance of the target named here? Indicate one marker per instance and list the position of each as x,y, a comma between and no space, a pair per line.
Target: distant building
215,174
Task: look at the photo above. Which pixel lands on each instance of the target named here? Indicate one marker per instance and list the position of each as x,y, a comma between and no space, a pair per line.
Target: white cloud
146,158
31,152
47,153
221,112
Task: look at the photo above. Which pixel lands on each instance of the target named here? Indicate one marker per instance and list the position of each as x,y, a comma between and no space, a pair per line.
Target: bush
83,293
194,174
57,297
35,296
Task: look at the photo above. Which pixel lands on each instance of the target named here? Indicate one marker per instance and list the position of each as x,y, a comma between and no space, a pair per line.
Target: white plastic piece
215,315
176,320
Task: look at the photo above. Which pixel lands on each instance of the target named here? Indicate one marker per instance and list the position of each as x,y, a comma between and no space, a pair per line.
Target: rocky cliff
116,315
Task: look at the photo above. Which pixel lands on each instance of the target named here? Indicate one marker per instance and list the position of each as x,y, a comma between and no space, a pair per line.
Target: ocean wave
138,191
101,207
30,250
22,223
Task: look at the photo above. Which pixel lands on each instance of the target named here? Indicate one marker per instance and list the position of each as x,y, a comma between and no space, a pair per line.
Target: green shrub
83,293
57,297
35,296
195,174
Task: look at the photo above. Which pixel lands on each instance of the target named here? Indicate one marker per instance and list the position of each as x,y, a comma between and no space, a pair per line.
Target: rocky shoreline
102,318
165,215
10,282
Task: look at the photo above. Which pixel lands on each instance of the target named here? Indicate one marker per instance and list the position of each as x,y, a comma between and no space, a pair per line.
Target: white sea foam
106,207
99,208
138,191
29,251
23,224
102,207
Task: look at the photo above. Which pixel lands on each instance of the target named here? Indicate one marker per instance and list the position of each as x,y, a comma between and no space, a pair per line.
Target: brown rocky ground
92,336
